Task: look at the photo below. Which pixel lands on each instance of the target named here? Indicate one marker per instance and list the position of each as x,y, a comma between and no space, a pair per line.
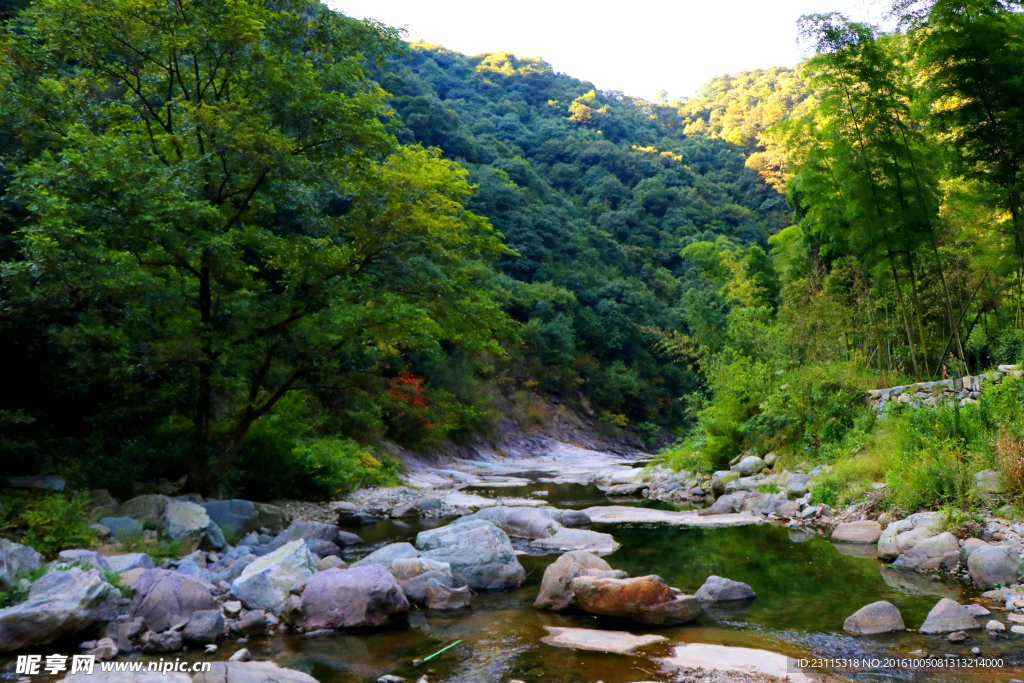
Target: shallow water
806,588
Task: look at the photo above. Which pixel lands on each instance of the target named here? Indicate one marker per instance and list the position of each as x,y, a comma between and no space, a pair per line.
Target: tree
220,213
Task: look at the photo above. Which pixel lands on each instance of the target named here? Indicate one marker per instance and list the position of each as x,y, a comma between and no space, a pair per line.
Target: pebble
211,648
975,650
240,656
994,625
957,637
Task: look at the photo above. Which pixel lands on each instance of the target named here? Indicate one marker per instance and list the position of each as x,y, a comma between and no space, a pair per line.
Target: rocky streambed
540,571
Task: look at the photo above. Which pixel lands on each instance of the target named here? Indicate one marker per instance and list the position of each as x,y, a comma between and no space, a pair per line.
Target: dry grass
1010,453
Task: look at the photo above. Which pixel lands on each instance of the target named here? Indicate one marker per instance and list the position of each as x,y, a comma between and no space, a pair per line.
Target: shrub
56,522
768,489
1009,450
114,579
18,592
823,494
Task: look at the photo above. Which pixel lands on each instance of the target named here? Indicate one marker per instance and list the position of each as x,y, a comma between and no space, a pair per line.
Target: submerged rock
878,617
718,589
442,597
620,642
644,599
365,596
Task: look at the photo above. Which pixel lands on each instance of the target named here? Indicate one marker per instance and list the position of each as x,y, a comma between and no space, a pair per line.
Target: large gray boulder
480,554
555,587
718,589
204,627
947,616
931,553
237,517
878,617
189,525
16,559
59,604
164,599
990,565
144,508
265,584
721,479
122,527
388,554
901,536
124,563
242,672
797,485
353,598
749,465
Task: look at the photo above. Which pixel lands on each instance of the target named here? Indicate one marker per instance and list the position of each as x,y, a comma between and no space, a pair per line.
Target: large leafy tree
218,213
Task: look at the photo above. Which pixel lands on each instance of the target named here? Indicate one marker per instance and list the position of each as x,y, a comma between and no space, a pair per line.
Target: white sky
636,46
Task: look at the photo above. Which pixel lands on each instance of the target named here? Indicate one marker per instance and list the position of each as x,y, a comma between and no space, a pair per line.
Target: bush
823,494
18,592
56,522
114,579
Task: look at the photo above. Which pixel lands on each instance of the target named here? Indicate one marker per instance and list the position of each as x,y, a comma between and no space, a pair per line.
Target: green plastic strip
442,650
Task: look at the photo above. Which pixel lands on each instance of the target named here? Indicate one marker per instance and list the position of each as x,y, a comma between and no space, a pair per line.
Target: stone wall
965,390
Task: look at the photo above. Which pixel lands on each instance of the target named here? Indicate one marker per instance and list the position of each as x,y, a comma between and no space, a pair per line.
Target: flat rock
857,532
621,514
620,642
742,659
126,563
250,672
577,539
947,616
878,617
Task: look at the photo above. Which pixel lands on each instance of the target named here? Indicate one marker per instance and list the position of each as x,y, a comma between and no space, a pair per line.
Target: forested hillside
236,289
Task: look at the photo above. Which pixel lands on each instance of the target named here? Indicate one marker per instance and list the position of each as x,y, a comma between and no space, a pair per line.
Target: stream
806,587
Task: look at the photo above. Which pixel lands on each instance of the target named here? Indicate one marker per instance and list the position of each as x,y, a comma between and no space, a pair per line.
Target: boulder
365,596
763,505
144,508
901,536
644,599
204,627
252,623
430,504
84,557
790,509
519,522
126,563
718,589
857,532
16,559
990,565
102,532
947,616
405,511
416,588
631,489
122,527
574,518
989,481
266,582
272,518
388,554
878,617
236,517
189,525
724,505
59,605
300,531
245,672
164,599
331,562
797,485
445,597
232,571
749,465
605,479
555,591
930,553
479,553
